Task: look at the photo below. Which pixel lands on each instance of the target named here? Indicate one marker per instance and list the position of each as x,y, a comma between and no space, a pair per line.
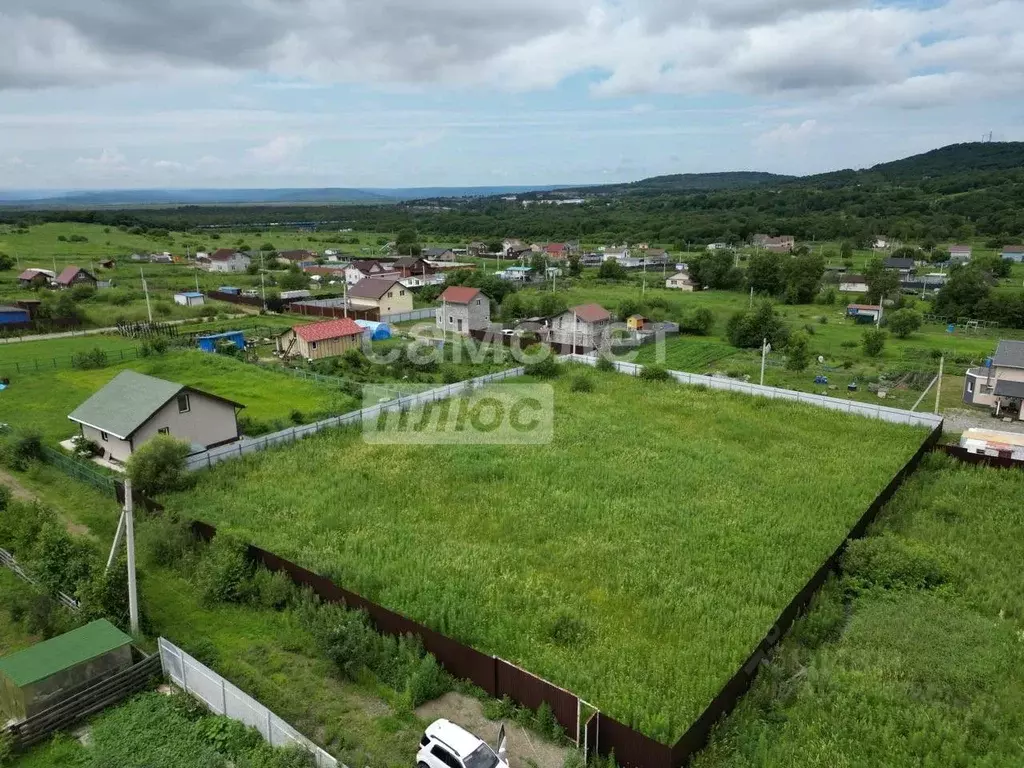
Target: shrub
296,416
654,373
272,589
224,571
574,759
166,542
428,681
582,383
890,562
84,448
158,465
903,322
545,369
699,322
605,364
450,375
798,352
94,358
547,724
873,341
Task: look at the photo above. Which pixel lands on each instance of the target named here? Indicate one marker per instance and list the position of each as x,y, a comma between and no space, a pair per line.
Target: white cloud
790,134
108,161
277,150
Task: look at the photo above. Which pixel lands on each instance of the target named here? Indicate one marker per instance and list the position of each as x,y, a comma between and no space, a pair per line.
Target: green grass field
928,668
665,526
41,401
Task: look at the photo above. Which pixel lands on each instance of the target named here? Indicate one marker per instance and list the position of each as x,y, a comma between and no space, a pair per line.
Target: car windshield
481,757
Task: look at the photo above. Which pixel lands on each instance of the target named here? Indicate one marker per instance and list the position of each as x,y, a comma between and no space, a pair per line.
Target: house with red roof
72,276
318,340
463,309
35,278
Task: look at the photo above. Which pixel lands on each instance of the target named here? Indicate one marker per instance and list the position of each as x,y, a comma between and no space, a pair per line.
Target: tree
611,270
798,351
903,322
293,280
803,277
765,273
513,308
700,321
628,308
717,270
6,262
268,247
873,341
748,328
962,294
494,246
575,266
158,465
550,304
846,250
539,264
881,282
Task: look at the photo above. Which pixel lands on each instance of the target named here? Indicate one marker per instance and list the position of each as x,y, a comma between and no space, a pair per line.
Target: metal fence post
223,697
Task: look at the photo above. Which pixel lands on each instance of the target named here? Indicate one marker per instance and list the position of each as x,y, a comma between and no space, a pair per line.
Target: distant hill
688,182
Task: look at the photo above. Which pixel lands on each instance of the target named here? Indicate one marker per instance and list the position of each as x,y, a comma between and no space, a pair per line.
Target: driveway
960,419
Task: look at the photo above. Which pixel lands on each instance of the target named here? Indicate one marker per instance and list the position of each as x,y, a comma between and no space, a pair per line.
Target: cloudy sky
256,93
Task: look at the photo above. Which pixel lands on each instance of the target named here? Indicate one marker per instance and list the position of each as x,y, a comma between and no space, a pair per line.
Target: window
184,406
164,431
445,757
312,345
970,385
451,319
104,436
478,302
391,294
401,293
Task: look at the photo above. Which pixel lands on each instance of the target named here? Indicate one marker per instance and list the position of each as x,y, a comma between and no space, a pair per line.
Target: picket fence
869,410
285,436
223,698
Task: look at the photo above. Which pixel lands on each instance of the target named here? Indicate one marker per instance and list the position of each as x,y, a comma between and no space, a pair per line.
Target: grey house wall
475,316
208,422
587,335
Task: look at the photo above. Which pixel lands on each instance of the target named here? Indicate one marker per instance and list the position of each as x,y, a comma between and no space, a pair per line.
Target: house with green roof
43,675
134,407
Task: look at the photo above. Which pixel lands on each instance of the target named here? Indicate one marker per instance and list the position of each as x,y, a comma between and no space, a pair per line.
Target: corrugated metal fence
245,447
223,698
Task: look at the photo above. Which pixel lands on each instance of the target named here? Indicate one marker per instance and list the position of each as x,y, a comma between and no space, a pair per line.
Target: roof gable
459,294
591,313
70,272
331,329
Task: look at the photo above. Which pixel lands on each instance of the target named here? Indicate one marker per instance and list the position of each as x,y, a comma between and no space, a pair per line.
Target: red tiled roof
459,294
331,329
28,274
1013,249
68,274
591,313
554,247
870,307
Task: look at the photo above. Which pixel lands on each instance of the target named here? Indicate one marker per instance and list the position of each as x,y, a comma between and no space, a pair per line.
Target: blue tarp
376,331
209,343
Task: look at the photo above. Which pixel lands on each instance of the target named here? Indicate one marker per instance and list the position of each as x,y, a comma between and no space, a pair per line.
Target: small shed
189,299
636,322
42,676
14,315
209,343
864,313
375,331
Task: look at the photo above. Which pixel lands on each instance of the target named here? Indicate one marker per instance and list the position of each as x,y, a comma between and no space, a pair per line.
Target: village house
134,407
681,281
959,254
228,260
903,266
319,340
301,257
580,329
360,270
1000,384
407,266
189,299
853,284
438,254
35,278
1013,253
463,309
512,245
477,248
72,276
864,313
385,294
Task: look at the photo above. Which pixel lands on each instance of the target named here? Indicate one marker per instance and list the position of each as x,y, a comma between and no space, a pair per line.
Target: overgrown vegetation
658,530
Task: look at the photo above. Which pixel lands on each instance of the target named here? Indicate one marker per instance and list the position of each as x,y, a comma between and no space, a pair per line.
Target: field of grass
924,665
41,401
665,527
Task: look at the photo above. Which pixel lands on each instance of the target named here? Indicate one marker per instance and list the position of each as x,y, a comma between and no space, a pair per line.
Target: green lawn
665,526
41,401
918,675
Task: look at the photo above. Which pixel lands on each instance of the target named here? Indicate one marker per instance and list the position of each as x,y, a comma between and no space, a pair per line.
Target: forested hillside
956,193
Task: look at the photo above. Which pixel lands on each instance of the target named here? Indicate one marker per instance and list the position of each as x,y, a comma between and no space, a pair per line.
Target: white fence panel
881,412
223,698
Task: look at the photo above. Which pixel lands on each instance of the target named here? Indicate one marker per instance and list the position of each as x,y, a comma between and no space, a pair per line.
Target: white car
446,745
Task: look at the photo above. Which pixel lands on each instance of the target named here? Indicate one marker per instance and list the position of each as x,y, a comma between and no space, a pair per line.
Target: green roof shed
42,676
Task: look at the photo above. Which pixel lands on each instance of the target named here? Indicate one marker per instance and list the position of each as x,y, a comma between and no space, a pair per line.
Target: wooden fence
86,701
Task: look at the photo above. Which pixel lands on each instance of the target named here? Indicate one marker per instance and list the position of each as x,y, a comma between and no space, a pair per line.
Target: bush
545,369
450,375
605,364
158,466
224,571
568,631
94,358
873,341
296,416
582,383
903,322
166,542
798,352
547,724
747,329
84,448
272,589
890,562
699,322
654,373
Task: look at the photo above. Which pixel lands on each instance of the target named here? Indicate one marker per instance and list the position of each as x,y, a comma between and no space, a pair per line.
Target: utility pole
938,384
751,305
145,288
263,288
765,349
129,529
